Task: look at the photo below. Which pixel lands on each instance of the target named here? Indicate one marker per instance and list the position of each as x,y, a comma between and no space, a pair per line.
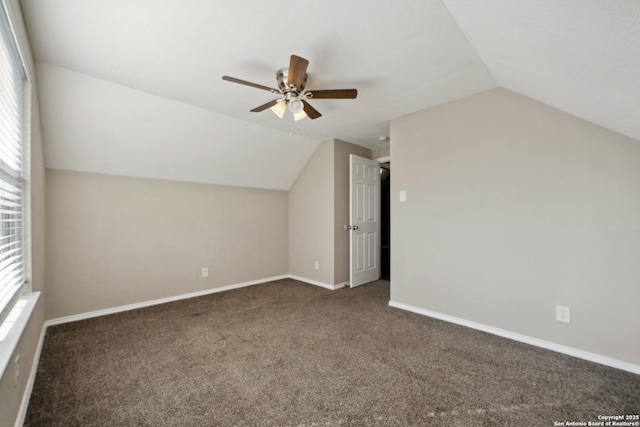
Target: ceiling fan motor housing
283,77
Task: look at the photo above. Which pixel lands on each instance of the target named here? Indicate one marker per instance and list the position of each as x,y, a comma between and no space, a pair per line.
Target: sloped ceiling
134,87
579,56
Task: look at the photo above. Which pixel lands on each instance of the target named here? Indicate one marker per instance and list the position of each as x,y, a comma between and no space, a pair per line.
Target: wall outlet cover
563,314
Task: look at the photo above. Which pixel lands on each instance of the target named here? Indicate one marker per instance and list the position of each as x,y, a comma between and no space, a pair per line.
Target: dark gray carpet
290,354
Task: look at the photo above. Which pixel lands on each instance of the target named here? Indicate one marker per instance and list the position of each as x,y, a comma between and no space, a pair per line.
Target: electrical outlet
317,265
205,272
16,371
563,314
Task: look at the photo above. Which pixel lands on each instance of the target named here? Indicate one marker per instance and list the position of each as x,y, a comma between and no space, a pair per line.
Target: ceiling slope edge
93,125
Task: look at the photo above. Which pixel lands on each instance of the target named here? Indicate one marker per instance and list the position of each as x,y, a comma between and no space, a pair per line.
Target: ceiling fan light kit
296,106
279,109
291,84
299,116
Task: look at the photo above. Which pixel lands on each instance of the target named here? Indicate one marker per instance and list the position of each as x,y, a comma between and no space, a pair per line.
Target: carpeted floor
291,354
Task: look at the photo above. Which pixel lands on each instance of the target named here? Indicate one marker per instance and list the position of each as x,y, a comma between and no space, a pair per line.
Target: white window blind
12,76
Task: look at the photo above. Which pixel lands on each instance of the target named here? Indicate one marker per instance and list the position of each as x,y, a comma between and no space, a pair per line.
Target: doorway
369,220
385,221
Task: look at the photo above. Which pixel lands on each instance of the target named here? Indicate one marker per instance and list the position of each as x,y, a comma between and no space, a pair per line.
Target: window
12,82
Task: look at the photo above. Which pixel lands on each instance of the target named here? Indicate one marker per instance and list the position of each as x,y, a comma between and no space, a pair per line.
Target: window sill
13,326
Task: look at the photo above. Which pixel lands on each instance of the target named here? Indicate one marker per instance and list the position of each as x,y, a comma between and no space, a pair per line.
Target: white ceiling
579,56
116,57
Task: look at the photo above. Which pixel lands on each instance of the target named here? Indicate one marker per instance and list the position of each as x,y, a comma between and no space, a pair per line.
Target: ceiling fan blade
297,72
332,94
265,106
246,83
311,112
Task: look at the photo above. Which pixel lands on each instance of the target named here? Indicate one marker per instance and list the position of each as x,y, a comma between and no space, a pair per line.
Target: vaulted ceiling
134,87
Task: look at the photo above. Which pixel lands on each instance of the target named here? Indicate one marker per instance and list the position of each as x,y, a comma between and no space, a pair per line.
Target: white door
364,220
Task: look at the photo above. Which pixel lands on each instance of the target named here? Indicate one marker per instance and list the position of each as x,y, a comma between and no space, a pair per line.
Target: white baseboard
24,405
581,354
341,285
113,310
315,282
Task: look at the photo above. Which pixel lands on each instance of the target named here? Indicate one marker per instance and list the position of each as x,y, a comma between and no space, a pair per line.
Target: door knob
353,227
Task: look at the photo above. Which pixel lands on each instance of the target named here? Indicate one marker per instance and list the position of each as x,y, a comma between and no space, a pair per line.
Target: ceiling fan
291,82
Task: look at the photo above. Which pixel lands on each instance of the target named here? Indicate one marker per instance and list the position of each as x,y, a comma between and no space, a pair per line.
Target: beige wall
379,152
113,241
311,207
342,150
513,207
10,396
